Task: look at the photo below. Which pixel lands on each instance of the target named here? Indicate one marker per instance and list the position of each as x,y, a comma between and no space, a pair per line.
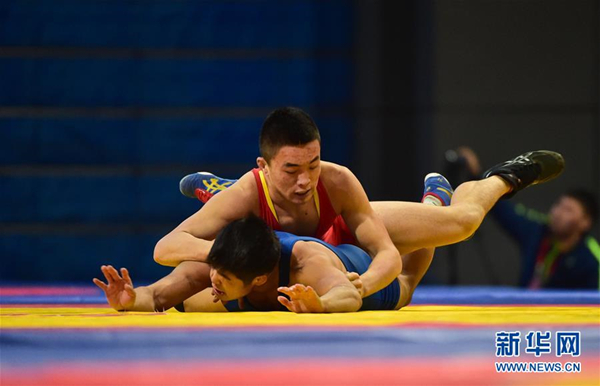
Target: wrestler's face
226,286
567,216
294,171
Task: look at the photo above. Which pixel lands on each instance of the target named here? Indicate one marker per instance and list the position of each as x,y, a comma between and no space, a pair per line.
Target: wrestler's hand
356,282
119,291
302,299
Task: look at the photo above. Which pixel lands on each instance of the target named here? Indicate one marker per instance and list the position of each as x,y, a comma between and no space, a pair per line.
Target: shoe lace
521,162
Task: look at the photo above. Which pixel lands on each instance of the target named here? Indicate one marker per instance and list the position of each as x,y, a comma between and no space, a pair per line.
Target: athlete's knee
408,299
469,219
407,291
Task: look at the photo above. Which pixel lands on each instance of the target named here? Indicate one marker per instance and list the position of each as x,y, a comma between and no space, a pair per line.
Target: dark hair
246,248
286,126
587,200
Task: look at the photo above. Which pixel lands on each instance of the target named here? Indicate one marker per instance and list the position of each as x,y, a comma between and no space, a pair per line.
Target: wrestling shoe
203,185
528,169
437,186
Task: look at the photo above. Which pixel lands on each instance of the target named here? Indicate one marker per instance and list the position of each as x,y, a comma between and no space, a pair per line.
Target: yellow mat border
90,317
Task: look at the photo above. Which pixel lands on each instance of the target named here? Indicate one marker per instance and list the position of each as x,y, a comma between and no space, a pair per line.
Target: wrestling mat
67,335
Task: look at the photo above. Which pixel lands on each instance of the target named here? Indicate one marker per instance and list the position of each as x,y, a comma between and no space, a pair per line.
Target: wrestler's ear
262,163
259,280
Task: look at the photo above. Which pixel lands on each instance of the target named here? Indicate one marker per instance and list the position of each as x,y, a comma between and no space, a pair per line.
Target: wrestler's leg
414,267
203,302
413,226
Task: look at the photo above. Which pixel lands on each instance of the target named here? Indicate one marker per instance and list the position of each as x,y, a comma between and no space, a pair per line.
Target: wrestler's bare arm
184,281
203,302
319,286
369,230
192,239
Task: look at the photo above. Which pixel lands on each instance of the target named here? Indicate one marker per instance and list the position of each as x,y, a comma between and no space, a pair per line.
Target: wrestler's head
242,257
290,148
574,213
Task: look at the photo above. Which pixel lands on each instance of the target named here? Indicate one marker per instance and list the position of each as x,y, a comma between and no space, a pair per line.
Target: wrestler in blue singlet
353,258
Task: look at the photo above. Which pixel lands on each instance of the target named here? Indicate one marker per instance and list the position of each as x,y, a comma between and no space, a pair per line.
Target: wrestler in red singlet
332,228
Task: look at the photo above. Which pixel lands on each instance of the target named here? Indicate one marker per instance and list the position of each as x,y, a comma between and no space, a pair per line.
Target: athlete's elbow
161,252
158,252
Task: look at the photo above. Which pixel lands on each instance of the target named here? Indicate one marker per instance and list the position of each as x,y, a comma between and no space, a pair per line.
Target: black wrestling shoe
528,169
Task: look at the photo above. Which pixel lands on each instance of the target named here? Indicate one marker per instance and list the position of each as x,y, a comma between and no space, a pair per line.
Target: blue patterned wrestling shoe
437,189
203,185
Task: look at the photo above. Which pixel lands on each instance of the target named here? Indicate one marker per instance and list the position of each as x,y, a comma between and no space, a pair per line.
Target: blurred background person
557,249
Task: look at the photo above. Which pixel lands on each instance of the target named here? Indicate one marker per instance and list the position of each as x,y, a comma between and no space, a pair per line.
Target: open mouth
302,194
217,292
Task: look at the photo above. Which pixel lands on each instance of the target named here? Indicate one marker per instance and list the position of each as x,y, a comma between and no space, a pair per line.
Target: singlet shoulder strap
265,189
316,197
266,208
327,213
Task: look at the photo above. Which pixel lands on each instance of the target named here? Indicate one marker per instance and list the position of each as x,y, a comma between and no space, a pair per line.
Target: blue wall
105,105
